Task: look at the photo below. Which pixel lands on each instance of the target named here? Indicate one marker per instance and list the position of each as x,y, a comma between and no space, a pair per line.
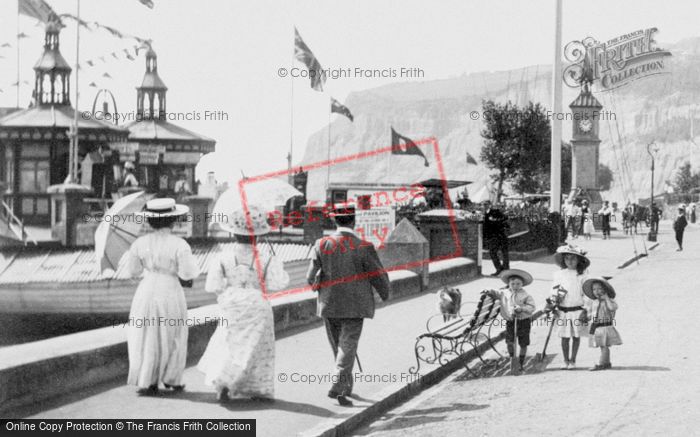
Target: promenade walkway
653,388
386,353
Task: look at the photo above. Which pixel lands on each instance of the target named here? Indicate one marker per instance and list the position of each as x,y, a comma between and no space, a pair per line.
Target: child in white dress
573,265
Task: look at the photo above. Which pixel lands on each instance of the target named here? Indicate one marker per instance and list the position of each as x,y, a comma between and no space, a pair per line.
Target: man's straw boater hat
522,274
588,287
165,207
573,250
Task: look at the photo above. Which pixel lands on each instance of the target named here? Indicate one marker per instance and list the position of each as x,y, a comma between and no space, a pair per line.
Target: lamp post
652,150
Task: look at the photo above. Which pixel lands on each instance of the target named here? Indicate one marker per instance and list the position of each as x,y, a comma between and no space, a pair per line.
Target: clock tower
585,143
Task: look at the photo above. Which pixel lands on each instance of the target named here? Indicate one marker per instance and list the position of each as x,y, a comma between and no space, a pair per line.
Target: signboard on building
151,148
181,157
148,158
375,224
127,150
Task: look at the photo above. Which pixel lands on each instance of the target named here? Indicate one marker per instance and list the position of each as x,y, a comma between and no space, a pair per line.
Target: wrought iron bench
450,339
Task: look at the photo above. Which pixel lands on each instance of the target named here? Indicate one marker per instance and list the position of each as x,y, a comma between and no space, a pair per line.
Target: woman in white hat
157,334
573,264
239,359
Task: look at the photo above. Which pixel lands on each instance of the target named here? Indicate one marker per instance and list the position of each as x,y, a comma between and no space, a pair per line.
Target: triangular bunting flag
470,159
408,147
7,44
341,109
22,35
303,54
106,75
93,84
147,3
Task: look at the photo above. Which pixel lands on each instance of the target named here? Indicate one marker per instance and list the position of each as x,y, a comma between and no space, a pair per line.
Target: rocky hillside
664,109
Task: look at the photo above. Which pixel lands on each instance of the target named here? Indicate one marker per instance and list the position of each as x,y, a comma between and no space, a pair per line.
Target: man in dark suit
347,268
496,237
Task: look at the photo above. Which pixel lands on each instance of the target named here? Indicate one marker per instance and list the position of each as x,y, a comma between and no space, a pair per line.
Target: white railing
15,225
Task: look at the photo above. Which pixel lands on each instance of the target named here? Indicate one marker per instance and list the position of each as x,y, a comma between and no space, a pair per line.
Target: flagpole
74,153
291,122
18,85
328,168
555,176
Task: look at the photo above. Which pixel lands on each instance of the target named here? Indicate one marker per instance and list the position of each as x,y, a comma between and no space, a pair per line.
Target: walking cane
359,366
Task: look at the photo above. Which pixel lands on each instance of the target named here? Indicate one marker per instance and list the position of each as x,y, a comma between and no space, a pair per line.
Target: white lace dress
157,332
240,355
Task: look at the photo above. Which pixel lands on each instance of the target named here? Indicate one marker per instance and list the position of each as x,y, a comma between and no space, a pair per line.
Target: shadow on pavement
501,367
419,417
445,409
642,368
250,405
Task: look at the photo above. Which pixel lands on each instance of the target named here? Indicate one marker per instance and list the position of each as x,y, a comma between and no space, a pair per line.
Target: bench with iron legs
449,339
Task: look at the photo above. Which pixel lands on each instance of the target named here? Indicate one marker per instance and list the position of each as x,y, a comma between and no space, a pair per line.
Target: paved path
386,351
653,389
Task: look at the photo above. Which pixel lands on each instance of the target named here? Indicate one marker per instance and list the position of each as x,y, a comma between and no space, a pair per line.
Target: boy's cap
522,274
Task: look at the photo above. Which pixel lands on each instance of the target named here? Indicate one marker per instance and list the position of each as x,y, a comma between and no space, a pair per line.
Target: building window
34,176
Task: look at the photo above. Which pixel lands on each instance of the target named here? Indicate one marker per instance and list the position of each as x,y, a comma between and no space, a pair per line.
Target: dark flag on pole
408,147
304,55
470,159
341,109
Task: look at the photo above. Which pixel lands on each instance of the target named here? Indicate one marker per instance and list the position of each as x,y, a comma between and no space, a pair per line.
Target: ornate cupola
52,72
150,96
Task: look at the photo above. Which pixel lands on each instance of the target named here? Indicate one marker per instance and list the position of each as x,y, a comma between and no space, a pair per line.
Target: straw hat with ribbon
588,287
238,223
522,274
573,250
165,207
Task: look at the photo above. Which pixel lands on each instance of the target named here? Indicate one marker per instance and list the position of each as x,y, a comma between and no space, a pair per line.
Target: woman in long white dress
157,332
239,359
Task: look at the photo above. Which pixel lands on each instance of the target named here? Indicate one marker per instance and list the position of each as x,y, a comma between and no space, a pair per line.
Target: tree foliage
605,177
516,145
685,179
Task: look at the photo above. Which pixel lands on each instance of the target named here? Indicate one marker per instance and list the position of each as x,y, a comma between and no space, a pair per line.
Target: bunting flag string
93,25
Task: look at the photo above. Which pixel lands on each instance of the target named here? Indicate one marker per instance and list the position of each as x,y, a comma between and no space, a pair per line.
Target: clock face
585,125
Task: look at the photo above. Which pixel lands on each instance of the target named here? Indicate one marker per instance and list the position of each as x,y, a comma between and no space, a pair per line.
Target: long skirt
157,332
240,355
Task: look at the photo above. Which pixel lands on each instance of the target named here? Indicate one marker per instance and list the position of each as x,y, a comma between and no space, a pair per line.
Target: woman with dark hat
573,264
240,358
602,306
157,334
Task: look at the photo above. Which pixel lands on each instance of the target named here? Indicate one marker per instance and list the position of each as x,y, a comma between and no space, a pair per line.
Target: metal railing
15,225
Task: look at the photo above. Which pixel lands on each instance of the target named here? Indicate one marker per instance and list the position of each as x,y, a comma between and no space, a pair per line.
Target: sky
225,55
